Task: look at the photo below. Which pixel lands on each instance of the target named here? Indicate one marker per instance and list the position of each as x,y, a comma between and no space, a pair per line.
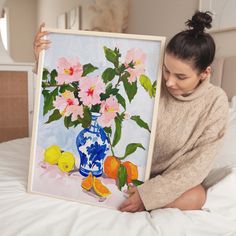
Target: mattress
23,213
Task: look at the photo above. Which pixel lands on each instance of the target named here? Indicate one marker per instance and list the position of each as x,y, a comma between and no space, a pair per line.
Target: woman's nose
170,81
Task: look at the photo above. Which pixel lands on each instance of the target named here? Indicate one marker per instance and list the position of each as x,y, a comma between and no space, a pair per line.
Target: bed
24,214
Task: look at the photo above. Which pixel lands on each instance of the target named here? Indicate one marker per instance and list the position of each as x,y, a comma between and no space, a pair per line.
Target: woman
191,122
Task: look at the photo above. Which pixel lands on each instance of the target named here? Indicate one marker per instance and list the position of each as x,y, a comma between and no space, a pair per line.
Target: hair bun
199,22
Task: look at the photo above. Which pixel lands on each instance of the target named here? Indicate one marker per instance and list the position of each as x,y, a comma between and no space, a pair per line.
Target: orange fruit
132,171
111,166
99,188
87,183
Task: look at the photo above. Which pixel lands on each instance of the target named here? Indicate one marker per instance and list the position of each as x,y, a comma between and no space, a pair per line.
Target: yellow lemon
52,154
66,162
99,188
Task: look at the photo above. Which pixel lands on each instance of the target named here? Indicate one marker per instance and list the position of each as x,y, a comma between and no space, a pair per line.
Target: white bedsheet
24,214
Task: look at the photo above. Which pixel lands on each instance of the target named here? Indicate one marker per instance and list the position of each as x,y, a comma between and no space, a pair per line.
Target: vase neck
94,127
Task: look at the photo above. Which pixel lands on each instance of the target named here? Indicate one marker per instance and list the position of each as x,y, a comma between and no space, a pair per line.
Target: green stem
49,85
112,151
119,80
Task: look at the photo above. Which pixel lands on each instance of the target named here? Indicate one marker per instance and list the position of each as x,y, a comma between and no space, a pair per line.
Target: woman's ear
206,73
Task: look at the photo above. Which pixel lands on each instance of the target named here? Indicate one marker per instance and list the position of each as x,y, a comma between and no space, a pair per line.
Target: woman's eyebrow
179,74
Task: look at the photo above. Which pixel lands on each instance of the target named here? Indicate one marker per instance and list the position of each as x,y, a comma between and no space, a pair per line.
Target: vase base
85,172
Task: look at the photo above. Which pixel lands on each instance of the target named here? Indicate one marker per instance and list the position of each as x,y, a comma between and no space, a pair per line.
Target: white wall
153,17
22,17
225,43
160,17
48,10
167,17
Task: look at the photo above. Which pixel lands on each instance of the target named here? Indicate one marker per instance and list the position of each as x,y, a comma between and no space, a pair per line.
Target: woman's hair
194,44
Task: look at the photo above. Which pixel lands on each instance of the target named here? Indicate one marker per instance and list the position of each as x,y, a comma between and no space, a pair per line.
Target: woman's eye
181,78
165,70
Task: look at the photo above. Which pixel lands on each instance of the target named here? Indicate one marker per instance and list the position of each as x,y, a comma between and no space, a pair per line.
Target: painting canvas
95,115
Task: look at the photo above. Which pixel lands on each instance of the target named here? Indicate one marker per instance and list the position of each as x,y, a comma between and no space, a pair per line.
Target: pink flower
90,90
68,70
67,104
109,108
138,57
76,111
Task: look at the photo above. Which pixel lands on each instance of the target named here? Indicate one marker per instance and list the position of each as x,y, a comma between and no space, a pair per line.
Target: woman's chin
175,92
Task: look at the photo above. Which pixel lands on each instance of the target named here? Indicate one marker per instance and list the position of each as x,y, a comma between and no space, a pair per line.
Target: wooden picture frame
95,115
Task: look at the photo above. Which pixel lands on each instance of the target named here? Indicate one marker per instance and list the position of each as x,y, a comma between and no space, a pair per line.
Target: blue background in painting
89,49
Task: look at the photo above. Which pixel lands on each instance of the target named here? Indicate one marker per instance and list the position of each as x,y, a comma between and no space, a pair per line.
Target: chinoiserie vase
92,144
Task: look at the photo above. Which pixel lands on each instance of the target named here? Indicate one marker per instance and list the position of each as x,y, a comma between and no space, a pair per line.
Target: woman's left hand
133,203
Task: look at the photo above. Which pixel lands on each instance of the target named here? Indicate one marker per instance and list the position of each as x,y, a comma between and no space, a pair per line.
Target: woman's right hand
39,42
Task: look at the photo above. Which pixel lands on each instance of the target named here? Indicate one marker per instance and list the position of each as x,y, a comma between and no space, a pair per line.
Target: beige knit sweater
189,133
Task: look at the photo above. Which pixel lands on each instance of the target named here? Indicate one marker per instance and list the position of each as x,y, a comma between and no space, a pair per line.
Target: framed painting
95,115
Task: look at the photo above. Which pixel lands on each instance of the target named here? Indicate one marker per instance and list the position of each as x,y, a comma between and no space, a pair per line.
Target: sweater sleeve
190,169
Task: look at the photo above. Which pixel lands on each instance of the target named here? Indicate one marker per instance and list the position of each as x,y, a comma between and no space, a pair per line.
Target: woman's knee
193,199
200,196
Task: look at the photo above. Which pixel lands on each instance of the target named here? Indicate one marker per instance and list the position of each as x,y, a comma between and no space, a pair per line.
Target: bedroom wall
167,17
47,11
22,21
225,43
162,17
158,17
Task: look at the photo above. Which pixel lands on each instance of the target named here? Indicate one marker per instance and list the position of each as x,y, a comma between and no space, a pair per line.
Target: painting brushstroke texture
96,107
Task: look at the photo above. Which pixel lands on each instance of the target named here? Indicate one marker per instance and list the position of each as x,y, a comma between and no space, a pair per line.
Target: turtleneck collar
199,91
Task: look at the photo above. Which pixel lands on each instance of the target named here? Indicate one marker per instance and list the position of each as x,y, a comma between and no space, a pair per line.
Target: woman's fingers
40,35
41,27
41,42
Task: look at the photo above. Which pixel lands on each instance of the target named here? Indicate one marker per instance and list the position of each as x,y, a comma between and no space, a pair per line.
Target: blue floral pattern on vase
92,144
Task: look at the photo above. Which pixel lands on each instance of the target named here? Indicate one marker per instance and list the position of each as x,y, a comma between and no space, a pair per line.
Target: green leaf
48,100
122,176
154,87
121,100
54,116
147,85
117,135
87,118
66,87
45,92
109,91
45,74
53,75
67,122
88,68
121,69
130,88
111,56
140,122
95,108
137,182
131,148
108,130
108,75
77,121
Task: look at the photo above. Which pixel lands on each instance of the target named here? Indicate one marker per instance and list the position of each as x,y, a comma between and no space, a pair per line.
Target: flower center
69,71
69,101
90,91
109,109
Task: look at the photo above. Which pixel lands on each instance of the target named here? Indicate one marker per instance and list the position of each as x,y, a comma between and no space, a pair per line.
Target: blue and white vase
92,144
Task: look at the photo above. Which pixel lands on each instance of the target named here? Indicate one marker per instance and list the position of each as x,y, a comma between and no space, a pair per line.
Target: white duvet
24,214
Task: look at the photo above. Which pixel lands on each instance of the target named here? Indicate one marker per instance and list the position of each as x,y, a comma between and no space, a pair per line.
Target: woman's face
180,77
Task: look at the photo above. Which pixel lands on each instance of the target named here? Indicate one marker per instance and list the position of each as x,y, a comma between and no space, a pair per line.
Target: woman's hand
39,42
134,202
